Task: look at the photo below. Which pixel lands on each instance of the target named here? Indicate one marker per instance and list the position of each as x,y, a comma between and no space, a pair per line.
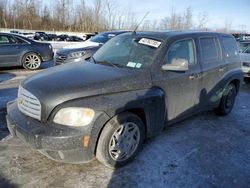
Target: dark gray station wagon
135,84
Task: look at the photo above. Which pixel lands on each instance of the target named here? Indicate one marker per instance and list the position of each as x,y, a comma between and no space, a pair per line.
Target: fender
235,75
150,101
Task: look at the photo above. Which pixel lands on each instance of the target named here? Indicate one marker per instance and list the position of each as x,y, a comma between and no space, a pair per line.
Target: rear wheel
120,140
227,100
31,61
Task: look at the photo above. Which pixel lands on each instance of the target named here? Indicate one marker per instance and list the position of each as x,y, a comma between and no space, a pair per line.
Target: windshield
128,51
102,37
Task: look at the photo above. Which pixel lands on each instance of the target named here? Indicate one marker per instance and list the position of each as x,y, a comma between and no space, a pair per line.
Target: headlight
77,54
74,116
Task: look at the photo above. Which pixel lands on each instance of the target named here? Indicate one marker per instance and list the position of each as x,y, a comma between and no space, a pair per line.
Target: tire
227,100
31,61
120,140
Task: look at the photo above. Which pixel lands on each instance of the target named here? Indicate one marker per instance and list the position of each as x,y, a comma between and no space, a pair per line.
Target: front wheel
31,61
227,100
120,140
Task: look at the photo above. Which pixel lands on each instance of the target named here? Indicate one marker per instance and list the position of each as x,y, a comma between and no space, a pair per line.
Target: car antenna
134,32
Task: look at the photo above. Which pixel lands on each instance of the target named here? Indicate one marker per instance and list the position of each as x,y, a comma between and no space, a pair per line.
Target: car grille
60,58
28,104
247,64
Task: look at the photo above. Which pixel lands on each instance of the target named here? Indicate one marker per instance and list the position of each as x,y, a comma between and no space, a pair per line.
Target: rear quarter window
20,41
229,46
210,50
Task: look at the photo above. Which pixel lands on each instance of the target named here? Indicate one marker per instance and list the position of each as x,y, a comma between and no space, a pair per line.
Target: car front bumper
64,144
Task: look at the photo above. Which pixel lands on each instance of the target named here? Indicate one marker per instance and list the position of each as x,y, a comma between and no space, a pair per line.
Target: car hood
77,80
84,44
66,51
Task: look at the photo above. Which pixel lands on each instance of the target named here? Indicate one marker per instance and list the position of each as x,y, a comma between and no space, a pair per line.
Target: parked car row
43,36
18,50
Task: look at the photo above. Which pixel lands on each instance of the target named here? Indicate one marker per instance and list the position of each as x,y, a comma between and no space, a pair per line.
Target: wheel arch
136,111
236,82
27,52
151,110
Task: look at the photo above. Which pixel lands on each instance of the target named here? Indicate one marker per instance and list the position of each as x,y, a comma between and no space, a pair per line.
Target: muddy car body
133,86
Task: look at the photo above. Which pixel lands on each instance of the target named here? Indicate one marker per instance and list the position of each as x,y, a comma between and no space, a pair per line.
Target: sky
235,12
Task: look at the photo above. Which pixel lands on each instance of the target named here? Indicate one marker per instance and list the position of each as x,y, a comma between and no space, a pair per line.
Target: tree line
69,15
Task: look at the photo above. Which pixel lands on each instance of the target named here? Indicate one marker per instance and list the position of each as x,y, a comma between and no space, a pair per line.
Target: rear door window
20,41
210,50
229,46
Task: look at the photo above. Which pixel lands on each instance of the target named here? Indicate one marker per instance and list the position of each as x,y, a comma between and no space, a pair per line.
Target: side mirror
180,65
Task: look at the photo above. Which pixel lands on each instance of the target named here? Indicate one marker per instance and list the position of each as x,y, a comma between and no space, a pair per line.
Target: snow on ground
202,151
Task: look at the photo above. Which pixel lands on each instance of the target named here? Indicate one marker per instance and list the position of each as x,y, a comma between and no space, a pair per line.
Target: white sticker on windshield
131,64
150,42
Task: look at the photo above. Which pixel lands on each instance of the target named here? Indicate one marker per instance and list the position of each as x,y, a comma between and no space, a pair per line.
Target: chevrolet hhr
132,87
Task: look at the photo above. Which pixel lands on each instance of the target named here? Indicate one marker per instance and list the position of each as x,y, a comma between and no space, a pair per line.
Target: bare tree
97,13
112,8
227,26
3,22
103,15
202,20
187,18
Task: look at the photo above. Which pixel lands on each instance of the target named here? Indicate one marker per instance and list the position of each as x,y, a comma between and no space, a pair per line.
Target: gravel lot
202,151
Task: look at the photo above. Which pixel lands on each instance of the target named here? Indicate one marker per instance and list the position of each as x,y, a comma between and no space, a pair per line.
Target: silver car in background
245,58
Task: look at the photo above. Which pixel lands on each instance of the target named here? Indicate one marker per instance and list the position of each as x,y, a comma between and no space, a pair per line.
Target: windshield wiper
106,63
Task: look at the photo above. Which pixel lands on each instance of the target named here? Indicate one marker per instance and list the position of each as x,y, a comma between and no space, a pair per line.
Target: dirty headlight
74,116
